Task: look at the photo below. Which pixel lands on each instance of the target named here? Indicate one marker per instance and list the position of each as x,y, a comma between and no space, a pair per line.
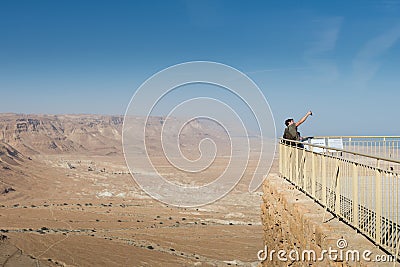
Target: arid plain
68,199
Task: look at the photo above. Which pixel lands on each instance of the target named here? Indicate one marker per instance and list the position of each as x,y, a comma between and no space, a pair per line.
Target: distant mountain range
48,134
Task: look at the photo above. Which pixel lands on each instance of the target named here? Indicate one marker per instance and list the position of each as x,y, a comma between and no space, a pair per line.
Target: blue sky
339,58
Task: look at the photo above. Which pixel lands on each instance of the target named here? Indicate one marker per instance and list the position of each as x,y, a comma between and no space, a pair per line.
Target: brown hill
35,148
50,134
10,155
32,147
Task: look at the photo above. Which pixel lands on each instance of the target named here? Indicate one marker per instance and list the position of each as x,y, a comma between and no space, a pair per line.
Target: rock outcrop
32,134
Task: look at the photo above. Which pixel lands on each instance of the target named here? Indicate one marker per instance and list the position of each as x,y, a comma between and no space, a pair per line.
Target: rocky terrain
68,199
46,134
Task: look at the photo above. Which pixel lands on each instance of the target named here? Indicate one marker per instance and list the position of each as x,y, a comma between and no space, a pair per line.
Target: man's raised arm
303,119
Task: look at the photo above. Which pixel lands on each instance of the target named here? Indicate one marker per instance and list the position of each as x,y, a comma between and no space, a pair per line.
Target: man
291,132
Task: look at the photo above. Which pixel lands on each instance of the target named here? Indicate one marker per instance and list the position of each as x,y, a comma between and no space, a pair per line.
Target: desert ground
68,199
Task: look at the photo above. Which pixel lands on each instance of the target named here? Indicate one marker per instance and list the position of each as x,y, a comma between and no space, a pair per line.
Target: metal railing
352,182
381,146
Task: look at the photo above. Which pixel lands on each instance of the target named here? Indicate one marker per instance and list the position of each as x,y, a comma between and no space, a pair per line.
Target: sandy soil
68,199
79,210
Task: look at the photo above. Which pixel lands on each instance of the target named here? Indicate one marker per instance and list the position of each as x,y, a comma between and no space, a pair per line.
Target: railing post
293,162
280,158
289,154
313,174
378,206
296,165
350,145
290,162
285,161
323,182
397,214
393,149
337,188
303,170
355,195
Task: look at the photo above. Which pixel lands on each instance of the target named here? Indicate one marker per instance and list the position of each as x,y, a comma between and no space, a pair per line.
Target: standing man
291,132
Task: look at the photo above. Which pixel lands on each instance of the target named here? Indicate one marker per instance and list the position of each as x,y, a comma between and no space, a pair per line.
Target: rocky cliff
32,134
